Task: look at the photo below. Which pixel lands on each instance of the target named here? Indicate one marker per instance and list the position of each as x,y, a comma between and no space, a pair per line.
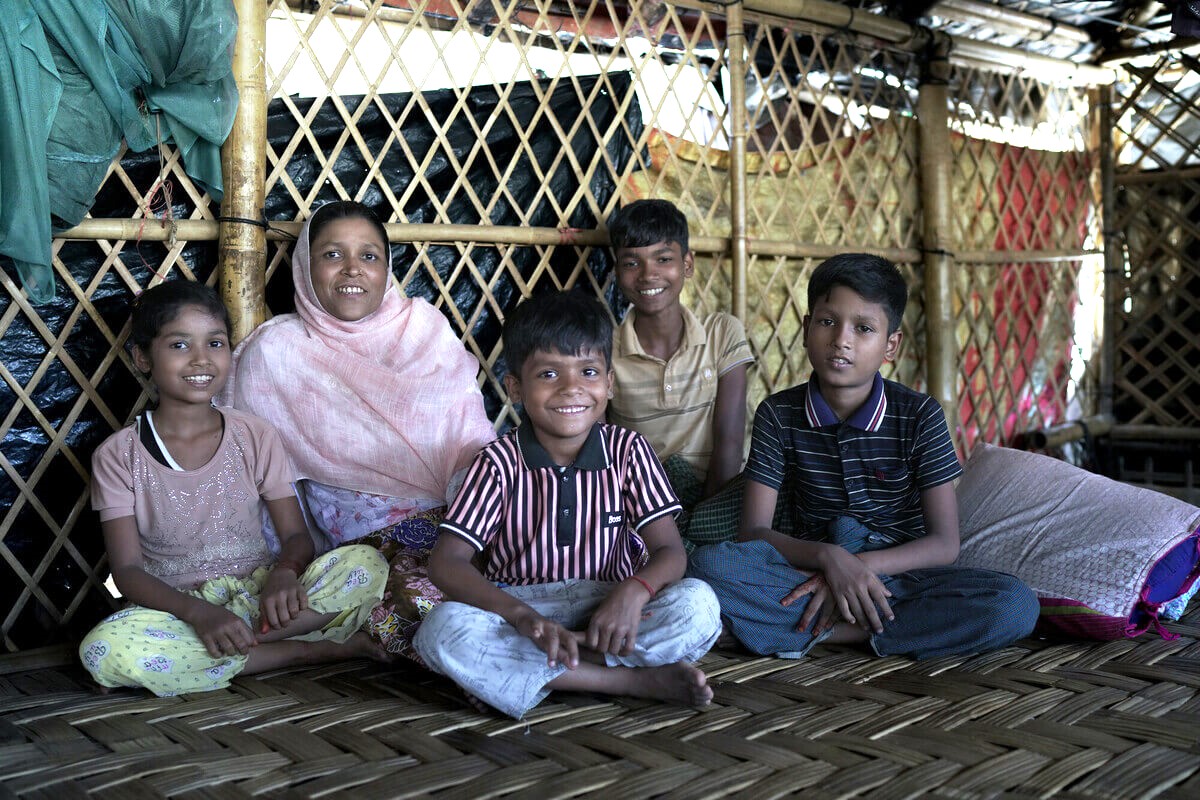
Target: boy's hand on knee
222,632
558,643
614,627
821,606
860,595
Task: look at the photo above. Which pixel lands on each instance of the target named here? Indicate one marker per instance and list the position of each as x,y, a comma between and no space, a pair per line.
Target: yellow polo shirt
671,402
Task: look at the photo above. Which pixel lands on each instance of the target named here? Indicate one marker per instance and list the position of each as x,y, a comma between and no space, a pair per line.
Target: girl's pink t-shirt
199,524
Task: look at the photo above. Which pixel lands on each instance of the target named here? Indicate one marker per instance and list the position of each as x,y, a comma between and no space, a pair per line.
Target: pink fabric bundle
387,404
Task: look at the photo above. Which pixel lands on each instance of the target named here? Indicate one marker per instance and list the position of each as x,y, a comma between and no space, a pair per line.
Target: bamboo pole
1146,432
941,358
1177,44
1007,20
907,37
1058,435
735,41
1022,256
204,230
1113,255
243,245
1155,176
196,230
775,247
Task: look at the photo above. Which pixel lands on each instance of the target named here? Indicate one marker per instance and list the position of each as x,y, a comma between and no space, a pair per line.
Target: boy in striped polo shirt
581,586
869,469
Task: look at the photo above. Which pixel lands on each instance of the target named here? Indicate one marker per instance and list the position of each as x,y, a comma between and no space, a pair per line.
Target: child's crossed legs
492,660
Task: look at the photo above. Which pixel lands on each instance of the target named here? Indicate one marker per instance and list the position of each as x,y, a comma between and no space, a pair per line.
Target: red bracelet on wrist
294,566
649,588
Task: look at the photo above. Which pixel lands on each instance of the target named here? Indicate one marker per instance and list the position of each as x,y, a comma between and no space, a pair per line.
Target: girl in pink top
181,495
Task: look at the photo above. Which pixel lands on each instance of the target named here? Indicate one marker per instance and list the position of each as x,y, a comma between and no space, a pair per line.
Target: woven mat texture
1039,719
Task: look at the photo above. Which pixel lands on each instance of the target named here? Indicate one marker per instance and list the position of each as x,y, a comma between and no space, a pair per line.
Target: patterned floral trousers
140,646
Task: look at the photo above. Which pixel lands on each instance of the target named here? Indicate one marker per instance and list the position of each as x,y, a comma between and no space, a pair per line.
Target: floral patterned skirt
409,594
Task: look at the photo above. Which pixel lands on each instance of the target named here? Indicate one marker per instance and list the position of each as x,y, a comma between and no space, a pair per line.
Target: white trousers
489,658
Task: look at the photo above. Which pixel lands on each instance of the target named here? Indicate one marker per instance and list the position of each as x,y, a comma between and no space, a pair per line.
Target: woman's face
349,268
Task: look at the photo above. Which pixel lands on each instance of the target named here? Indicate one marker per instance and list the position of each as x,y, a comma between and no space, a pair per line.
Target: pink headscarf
386,405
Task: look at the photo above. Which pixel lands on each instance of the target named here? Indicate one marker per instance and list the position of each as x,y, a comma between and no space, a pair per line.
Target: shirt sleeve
273,473
477,510
112,479
767,460
731,345
934,459
648,492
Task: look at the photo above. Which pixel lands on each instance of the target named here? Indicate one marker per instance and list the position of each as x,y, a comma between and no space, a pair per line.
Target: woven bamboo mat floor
1114,720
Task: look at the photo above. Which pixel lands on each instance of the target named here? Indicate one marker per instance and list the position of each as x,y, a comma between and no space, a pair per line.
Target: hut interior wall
1155,286
831,165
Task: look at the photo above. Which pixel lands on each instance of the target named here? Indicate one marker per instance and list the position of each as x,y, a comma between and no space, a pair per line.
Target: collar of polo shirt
868,417
591,455
628,344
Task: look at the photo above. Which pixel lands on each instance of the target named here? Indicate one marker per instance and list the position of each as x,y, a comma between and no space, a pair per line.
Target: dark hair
569,321
345,209
646,222
158,306
874,278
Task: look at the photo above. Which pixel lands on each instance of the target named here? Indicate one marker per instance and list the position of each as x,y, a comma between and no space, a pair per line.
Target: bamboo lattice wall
828,162
1156,222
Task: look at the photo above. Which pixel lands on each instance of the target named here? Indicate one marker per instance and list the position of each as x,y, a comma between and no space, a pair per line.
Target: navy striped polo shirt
872,467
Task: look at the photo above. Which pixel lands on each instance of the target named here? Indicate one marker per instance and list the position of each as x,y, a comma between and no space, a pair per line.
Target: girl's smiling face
189,359
349,268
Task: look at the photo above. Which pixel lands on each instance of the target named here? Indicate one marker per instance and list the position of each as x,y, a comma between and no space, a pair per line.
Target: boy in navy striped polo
867,467
581,586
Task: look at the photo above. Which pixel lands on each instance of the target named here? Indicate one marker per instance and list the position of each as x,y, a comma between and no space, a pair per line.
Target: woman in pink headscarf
376,401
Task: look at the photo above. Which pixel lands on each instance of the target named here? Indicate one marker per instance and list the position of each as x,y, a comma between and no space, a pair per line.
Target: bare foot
363,645
727,641
681,683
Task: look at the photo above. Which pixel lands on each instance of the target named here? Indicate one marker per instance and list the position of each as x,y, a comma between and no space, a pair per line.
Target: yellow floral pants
140,646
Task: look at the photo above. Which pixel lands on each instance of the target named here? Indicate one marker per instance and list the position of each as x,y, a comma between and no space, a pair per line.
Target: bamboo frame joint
935,47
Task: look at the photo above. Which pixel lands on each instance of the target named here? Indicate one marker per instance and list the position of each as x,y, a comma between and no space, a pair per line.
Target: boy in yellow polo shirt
679,380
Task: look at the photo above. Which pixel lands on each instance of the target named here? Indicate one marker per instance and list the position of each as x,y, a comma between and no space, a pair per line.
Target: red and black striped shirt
539,522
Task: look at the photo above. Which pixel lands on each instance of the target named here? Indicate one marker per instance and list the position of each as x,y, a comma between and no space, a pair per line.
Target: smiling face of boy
564,396
652,277
847,340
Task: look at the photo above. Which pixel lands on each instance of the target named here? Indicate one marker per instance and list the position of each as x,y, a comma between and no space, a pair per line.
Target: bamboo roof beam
1178,44
911,37
1006,20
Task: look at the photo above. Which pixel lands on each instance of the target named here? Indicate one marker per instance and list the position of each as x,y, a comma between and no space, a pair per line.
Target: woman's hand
614,627
281,599
222,632
558,643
